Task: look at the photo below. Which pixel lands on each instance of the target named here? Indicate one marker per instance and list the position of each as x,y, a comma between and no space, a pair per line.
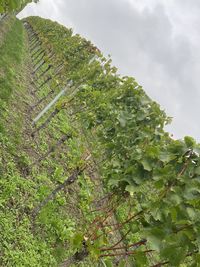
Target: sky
155,41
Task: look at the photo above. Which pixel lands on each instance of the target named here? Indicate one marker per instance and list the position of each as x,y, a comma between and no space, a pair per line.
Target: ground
32,166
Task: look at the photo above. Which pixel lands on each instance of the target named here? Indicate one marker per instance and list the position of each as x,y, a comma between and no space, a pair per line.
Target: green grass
18,244
11,55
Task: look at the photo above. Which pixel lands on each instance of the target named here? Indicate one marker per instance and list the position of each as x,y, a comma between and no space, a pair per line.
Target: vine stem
120,225
100,223
118,242
110,208
125,253
137,244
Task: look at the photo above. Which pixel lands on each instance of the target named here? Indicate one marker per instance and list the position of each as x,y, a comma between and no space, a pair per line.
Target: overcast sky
156,41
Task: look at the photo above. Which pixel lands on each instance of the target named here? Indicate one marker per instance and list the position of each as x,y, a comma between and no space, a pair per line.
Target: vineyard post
52,103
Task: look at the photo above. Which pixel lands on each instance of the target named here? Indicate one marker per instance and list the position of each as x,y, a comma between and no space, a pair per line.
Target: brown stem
99,221
138,244
131,218
125,253
120,225
114,246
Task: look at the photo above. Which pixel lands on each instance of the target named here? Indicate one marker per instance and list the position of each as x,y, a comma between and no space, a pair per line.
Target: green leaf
174,199
122,119
197,170
159,184
122,263
77,240
156,211
191,213
140,259
174,255
94,251
189,141
155,238
191,192
197,259
146,164
107,263
134,228
173,213
198,242
130,189
166,156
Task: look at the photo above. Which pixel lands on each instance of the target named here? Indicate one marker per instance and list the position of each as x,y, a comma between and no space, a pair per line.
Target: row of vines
151,182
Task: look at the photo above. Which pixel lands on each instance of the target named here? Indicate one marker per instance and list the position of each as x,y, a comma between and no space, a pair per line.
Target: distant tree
13,5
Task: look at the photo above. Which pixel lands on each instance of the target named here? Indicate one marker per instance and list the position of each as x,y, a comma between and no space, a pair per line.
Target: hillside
89,177
8,6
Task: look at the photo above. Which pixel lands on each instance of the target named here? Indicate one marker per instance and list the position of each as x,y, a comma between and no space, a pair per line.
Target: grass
18,245
11,55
